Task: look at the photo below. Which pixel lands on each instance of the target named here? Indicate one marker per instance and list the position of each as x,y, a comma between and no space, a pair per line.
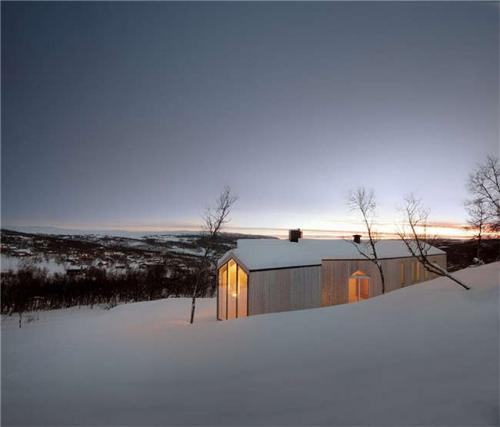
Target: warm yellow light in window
358,273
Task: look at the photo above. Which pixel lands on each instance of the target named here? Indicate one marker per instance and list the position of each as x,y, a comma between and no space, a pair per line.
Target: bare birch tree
479,216
214,220
484,185
413,232
363,201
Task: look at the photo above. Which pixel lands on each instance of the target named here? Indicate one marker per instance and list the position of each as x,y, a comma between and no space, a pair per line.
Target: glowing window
242,292
233,290
358,287
222,295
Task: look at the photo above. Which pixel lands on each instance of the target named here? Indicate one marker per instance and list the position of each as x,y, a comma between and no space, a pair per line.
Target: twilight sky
135,115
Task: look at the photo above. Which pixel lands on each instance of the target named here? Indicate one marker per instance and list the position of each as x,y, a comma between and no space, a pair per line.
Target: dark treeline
32,288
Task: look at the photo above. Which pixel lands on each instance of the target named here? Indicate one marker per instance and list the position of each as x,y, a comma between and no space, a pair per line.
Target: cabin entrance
232,291
358,287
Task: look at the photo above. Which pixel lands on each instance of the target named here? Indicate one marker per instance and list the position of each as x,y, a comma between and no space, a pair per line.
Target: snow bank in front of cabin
426,355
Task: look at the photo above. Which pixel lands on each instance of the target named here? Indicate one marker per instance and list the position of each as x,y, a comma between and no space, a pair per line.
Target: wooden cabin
269,275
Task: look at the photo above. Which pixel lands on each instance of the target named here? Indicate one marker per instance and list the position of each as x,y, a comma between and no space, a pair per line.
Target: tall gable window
232,292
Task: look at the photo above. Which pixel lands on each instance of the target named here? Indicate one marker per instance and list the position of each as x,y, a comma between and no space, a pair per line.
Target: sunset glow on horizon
342,230
291,104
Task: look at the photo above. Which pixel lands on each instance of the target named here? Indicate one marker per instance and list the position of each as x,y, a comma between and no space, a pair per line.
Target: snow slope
424,355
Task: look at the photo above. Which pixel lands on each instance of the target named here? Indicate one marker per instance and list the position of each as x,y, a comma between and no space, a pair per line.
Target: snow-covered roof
260,254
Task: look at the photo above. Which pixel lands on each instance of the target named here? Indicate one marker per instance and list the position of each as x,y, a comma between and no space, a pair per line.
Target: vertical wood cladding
286,289
335,276
309,287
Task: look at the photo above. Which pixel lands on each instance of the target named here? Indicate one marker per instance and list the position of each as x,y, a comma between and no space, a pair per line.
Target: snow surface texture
423,355
272,253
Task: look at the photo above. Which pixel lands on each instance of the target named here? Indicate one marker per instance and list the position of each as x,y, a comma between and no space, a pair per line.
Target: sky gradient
135,115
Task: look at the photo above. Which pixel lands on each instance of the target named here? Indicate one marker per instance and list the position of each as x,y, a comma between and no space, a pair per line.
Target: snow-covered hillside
426,355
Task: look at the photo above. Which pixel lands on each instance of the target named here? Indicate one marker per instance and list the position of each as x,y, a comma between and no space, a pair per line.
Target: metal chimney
295,235
356,238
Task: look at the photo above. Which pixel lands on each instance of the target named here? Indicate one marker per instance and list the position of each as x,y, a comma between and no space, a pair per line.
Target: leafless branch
363,201
479,216
214,220
484,186
413,232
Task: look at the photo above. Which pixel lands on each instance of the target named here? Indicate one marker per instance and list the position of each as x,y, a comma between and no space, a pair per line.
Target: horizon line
438,228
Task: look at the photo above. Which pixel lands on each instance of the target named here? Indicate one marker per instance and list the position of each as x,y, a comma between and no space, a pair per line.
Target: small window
358,287
416,271
402,277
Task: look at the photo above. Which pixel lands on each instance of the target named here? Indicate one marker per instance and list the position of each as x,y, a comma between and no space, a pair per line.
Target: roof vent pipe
357,238
295,235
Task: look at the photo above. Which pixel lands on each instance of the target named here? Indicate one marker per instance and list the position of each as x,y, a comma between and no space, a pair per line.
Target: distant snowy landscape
424,355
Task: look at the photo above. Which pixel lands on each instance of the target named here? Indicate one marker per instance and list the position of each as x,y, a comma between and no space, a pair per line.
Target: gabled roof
262,254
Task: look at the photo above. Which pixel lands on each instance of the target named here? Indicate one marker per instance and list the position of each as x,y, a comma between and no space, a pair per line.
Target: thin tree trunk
193,304
195,290
382,278
442,272
428,265
449,276
214,219
375,261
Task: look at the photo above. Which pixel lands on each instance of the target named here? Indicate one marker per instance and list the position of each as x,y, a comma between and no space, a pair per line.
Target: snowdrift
427,355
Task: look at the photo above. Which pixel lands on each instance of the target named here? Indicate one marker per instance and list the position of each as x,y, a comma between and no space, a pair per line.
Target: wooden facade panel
339,272
398,273
392,275
282,290
309,287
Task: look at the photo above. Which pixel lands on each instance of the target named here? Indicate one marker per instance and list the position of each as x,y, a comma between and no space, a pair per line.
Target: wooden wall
286,289
398,273
271,291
